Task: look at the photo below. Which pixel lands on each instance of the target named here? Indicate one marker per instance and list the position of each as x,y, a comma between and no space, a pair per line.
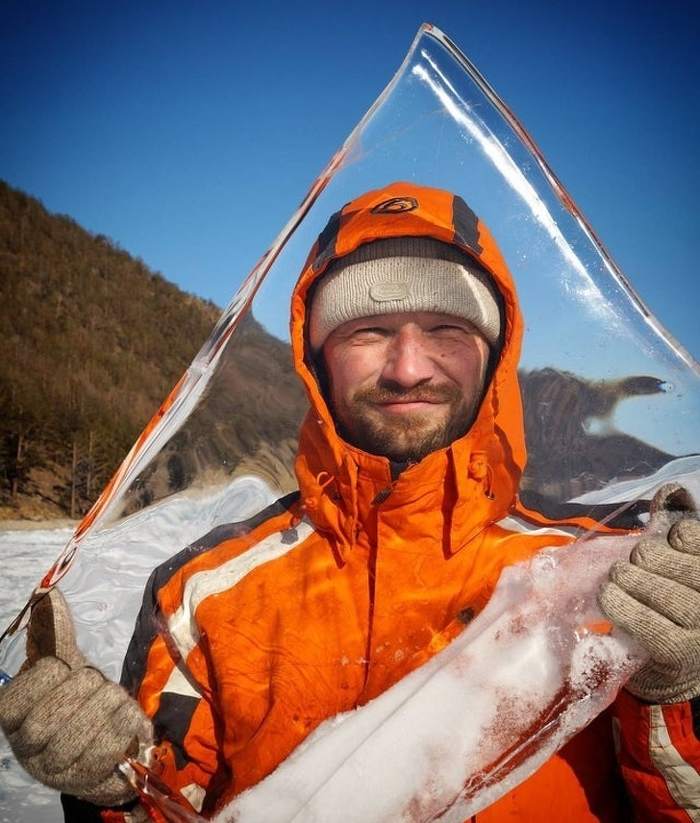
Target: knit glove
656,599
69,726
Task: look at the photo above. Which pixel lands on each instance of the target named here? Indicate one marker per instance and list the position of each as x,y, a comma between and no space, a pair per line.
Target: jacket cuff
659,755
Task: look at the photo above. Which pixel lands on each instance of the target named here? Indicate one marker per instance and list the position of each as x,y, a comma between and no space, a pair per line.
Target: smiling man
403,329
405,385
406,334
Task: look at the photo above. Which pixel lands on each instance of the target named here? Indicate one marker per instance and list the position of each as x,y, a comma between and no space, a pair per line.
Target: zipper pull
381,496
481,471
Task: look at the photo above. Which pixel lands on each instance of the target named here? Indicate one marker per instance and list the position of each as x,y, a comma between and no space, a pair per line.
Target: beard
406,437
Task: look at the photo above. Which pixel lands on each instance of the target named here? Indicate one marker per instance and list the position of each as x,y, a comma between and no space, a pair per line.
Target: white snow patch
104,588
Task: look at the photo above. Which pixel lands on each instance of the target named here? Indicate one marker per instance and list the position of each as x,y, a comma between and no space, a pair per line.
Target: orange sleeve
177,695
187,757
659,756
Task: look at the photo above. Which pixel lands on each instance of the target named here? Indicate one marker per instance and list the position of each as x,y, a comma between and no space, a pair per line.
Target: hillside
566,455
91,341
249,422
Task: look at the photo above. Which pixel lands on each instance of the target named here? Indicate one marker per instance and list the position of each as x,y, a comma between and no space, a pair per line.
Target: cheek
467,367
350,370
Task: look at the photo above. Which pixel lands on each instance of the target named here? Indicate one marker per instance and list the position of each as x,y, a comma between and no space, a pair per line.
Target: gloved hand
69,726
656,599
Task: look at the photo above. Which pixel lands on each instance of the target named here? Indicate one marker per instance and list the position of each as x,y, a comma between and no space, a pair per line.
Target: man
406,334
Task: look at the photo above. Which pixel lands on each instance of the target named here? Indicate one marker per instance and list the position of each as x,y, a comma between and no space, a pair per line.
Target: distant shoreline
37,525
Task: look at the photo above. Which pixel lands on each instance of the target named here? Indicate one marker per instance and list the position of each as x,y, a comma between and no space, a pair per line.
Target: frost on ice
533,669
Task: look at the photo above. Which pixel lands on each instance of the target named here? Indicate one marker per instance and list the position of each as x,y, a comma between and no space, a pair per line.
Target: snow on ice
528,667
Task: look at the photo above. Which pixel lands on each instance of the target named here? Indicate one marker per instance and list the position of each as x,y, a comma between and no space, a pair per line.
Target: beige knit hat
389,276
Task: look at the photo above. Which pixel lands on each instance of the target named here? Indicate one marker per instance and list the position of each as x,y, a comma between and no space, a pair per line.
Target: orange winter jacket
254,635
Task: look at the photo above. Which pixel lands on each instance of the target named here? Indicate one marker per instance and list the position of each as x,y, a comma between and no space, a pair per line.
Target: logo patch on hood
396,205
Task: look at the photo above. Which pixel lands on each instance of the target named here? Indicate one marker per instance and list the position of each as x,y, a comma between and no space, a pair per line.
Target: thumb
51,632
671,503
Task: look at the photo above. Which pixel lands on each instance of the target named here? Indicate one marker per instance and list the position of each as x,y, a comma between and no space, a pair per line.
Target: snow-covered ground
24,557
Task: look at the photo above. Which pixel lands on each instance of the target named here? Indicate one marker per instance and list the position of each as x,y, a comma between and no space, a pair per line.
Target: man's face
404,385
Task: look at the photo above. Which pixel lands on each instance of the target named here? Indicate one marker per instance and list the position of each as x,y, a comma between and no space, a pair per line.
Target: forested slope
91,342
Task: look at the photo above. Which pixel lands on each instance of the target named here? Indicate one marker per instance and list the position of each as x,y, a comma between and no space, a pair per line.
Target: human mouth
408,406
423,402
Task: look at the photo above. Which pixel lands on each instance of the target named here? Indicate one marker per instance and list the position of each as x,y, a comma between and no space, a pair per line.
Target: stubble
406,437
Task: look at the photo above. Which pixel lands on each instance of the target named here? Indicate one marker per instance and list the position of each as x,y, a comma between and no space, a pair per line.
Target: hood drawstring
323,480
480,470
488,491
312,502
352,473
323,506
473,496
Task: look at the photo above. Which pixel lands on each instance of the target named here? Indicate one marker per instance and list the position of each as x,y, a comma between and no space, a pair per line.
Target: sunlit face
404,385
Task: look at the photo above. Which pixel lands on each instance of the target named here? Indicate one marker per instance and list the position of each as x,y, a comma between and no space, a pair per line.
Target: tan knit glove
69,726
656,599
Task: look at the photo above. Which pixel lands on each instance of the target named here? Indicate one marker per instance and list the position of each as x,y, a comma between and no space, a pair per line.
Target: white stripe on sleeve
681,778
182,625
178,683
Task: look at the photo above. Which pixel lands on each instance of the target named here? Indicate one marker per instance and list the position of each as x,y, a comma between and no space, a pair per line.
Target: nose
408,361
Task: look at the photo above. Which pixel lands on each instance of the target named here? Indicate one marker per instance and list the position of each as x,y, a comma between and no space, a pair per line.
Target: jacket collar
474,481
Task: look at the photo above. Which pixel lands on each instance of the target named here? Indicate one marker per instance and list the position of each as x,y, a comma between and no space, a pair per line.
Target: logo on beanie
396,205
383,292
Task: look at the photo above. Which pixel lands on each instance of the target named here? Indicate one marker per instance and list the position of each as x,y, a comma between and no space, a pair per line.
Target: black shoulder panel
327,240
172,720
466,225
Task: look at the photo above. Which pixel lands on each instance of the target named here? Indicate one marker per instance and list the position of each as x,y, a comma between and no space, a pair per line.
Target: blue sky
188,132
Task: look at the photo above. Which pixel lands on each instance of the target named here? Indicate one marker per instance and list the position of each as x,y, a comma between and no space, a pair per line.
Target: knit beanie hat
404,274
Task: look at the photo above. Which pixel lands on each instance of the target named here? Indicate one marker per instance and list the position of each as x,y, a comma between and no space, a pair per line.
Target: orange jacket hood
339,482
